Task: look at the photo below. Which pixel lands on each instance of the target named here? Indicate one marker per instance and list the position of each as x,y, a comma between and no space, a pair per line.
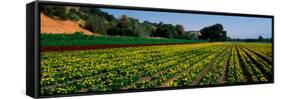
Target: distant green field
79,39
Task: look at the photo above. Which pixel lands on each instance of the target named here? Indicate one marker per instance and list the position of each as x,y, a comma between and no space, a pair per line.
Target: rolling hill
55,26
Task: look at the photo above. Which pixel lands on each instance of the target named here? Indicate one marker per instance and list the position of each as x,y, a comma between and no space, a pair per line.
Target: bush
128,32
113,31
73,16
54,11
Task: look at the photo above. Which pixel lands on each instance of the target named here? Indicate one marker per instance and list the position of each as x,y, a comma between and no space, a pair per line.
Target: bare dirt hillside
53,26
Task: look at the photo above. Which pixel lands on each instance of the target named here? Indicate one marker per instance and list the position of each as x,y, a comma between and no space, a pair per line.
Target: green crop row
263,48
65,72
216,71
186,78
78,39
235,72
254,73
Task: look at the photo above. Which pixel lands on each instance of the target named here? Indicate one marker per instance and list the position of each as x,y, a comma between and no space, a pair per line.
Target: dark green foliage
123,22
113,31
127,27
141,31
96,24
54,11
180,30
121,32
96,11
165,30
79,39
150,23
148,29
60,12
101,22
98,21
168,30
260,38
133,26
267,40
213,33
127,32
72,16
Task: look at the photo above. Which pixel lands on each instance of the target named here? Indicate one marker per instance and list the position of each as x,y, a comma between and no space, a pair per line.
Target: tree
114,31
96,11
165,30
180,29
73,14
54,11
213,33
260,38
123,22
96,24
123,25
150,23
149,29
141,30
134,25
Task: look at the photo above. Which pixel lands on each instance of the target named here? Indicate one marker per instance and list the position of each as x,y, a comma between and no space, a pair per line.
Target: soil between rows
95,47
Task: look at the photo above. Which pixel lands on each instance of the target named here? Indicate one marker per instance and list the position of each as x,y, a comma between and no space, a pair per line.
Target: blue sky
236,26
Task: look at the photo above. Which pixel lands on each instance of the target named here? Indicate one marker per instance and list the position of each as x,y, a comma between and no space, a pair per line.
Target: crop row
79,39
126,75
153,67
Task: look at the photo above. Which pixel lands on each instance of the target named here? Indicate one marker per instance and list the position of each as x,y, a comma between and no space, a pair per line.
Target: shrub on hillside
54,11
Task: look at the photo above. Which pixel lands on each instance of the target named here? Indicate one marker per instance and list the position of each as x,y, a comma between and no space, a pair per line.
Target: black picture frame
33,45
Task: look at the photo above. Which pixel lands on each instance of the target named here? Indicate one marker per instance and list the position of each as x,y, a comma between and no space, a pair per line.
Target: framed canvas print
86,49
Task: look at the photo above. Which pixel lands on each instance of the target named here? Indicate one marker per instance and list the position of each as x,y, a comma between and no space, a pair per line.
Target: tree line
259,39
98,21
